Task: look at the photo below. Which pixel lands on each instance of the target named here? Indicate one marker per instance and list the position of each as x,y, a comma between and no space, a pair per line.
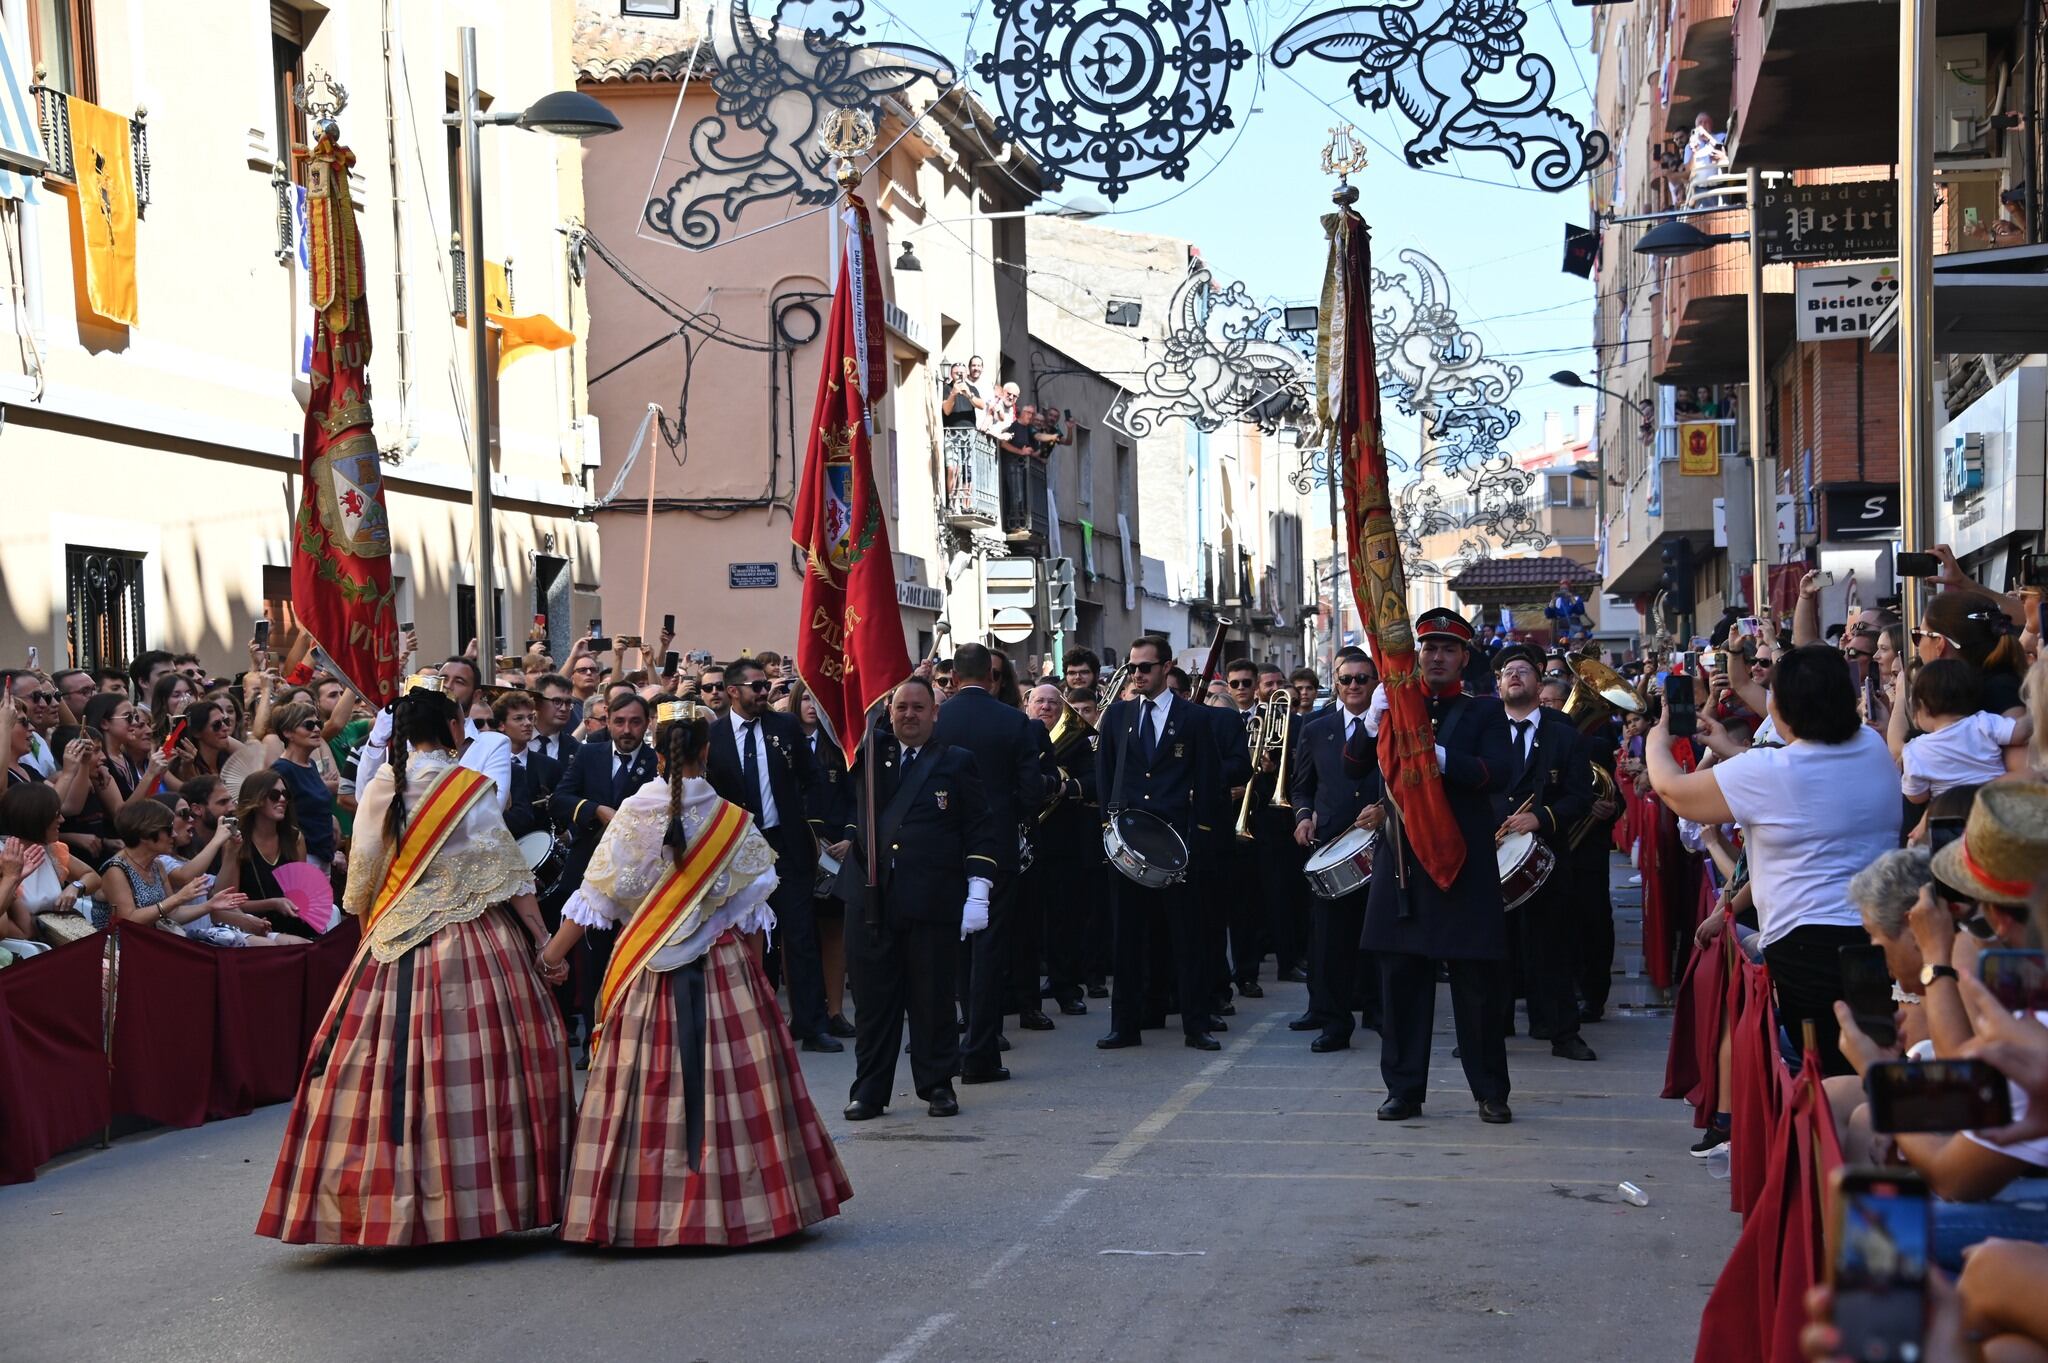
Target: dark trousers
796,931
1171,917
1806,976
1232,900
1283,889
1593,919
1549,952
1068,893
1337,984
985,989
1028,935
1408,1015
904,968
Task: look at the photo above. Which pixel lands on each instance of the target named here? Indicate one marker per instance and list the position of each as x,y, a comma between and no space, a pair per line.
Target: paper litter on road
1158,1253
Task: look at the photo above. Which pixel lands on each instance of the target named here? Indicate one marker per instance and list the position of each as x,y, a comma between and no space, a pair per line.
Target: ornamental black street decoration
1112,93
777,81
1226,359
1427,60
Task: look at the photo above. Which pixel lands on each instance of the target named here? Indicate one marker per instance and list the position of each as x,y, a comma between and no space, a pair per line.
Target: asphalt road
1155,1204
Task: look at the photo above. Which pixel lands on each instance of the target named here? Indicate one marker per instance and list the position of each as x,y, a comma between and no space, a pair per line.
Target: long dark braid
679,741
418,718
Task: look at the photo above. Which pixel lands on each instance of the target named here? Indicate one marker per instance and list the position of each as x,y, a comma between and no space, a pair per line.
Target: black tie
621,764
909,760
1145,740
750,770
1521,727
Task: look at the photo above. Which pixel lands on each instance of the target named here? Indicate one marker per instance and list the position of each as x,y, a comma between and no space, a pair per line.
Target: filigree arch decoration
1112,92
1428,60
777,80
1227,358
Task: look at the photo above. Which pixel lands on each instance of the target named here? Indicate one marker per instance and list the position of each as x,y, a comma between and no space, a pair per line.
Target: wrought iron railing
1024,499
103,606
973,496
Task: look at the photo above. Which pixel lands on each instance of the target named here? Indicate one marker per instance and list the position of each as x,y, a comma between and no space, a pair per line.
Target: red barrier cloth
259,1027
163,1026
1660,851
1692,1069
1755,1081
54,1090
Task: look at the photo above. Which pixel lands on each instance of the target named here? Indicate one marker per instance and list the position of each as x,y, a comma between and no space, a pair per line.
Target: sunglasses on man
1353,678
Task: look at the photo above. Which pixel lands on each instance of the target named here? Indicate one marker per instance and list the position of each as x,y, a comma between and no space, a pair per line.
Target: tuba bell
1069,737
1598,694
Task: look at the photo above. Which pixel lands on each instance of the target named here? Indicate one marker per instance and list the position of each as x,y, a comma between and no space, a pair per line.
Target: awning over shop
1985,302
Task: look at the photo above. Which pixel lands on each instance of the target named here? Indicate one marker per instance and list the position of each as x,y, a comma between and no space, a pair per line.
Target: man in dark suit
1335,775
1549,791
533,775
1415,925
1165,756
555,720
760,760
589,793
937,845
1006,748
1065,884
830,808
1592,912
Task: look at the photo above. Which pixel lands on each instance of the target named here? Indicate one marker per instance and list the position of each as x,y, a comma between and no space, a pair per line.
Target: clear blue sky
1254,198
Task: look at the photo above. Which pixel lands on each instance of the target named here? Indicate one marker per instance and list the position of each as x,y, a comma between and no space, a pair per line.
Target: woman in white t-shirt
1959,743
1813,814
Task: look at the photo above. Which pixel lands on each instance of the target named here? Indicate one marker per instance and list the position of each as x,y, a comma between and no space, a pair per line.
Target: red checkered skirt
767,1169
435,1104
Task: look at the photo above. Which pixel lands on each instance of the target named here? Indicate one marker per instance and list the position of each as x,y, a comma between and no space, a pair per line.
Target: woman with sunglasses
436,1104
299,728
1974,627
143,884
210,725
137,765
270,838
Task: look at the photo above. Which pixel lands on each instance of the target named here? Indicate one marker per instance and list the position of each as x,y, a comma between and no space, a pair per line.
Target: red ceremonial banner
1407,743
850,649
341,540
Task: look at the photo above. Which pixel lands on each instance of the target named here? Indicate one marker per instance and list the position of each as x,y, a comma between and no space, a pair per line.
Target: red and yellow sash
436,817
654,922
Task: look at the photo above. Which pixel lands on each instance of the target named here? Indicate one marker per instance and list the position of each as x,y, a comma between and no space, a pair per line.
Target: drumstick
1501,833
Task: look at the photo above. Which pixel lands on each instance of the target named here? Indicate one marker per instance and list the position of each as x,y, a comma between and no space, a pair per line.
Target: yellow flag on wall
518,336
1699,449
105,208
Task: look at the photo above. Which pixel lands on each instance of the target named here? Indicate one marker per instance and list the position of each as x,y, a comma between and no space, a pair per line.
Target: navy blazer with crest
583,789
534,778
1187,782
1323,783
931,833
1557,775
791,773
1011,754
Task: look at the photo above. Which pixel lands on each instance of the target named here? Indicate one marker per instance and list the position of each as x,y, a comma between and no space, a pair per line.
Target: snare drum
1342,865
1145,848
1524,865
544,856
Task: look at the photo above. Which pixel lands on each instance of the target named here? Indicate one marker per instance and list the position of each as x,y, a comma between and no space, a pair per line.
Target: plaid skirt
765,1167
435,1103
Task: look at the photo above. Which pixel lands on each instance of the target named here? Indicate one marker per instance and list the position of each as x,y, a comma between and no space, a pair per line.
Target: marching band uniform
1414,927
763,765
1178,765
1004,745
1548,773
696,1126
435,1103
1028,927
1593,912
936,841
1068,877
1237,895
1335,774
533,783
1282,888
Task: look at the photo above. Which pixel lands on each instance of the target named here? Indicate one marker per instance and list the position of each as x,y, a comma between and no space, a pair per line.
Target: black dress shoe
1307,1022
1291,976
1573,1047
1225,1009
1073,1008
1116,1041
837,1025
1098,990
821,1042
942,1103
994,1076
1587,1014
1203,1043
858,1111
1213,1024
1326,1043
1034,1021
1494,1112
1399,1110
1250,989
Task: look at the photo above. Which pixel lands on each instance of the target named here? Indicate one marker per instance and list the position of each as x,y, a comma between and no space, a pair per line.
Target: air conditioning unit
1962,91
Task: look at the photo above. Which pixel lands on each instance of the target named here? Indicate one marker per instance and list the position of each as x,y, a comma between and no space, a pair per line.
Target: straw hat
2004,847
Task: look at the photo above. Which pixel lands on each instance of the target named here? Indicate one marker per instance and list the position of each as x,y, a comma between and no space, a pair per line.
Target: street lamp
1569,378
565,113
1673,239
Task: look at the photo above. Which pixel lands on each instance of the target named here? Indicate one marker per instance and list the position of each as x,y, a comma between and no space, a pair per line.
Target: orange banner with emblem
1699,449
671,902
104,208
437,816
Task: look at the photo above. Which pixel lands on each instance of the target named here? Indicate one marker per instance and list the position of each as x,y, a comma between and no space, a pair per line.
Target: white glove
1441,760
974,913
1376,711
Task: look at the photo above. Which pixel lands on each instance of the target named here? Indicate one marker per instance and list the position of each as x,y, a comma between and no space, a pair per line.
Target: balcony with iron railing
1026,507
973,496
53,123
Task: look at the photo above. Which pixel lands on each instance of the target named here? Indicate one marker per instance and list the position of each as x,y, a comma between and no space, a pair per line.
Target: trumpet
1269,733
1069,736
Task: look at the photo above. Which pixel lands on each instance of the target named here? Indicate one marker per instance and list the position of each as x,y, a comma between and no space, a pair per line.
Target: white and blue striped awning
21,150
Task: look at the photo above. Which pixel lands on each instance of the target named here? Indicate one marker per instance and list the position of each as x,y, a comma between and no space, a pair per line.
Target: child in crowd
1958,745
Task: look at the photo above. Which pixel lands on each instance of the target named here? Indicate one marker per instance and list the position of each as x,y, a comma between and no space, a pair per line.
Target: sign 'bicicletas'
1842,302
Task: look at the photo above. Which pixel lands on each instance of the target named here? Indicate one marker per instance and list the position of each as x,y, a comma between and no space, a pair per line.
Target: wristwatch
1930,973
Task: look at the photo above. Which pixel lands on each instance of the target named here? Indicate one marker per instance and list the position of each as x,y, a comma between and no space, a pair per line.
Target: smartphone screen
1867,988
1936,1095
1879,1272
668,624
2019,979
670,661
262,634
1678,703
596,626
1918,565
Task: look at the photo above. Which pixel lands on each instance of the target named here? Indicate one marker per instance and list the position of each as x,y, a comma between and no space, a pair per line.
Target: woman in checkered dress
696,1127
435,1105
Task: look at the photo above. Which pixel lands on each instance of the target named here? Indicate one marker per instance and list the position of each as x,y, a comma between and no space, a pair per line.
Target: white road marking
914,1342
1143,1134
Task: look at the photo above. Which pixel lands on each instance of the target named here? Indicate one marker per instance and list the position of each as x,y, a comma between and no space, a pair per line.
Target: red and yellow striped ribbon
437,816
671,901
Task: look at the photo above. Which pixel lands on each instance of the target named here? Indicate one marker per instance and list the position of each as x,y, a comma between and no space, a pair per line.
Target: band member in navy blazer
533,776
937,844
830,809
760,760
596,784
1334,773
1162,755
1006,746
1415,925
